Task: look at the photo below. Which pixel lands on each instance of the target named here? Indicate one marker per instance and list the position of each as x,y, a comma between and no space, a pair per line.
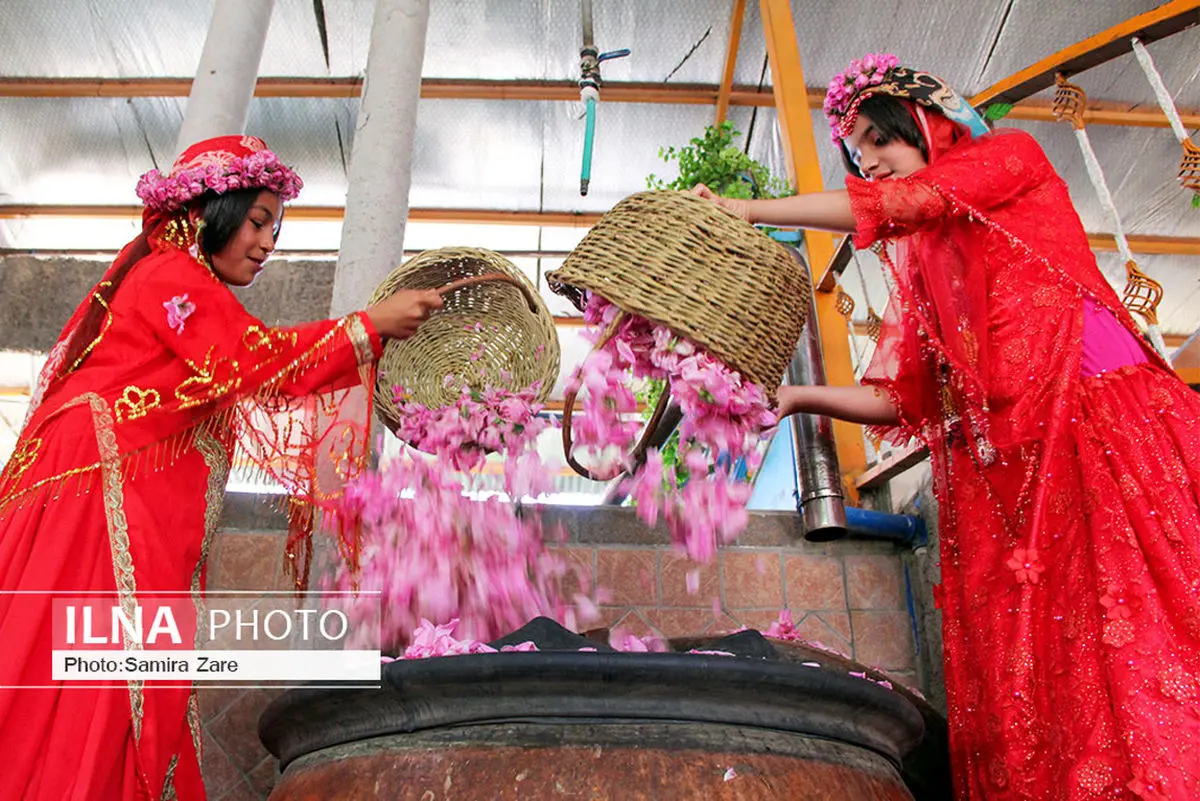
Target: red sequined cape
116,486
1069,507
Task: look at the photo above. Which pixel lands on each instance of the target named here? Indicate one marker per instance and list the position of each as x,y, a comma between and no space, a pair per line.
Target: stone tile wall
848,595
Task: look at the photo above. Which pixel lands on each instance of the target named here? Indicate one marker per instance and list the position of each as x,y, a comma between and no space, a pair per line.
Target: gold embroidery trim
21,460
7,500
212,380
273,339
168,791
311,356
363,349
217,460
194,726
118,533
103,330
134,403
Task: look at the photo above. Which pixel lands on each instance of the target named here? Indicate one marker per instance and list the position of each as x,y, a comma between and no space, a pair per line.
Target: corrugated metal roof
524,155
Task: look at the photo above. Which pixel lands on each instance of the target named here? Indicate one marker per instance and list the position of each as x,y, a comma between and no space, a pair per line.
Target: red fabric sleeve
983,175
231,354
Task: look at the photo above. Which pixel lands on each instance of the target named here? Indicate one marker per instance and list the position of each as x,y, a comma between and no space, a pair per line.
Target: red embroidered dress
116,486
1069,506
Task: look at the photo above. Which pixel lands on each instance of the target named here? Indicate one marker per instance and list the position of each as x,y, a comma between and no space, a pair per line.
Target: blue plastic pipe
589,133
903,529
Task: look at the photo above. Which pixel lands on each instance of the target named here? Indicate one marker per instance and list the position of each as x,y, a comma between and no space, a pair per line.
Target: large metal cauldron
560,723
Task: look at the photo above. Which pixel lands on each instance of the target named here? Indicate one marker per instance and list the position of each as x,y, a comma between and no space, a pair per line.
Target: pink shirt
1107,344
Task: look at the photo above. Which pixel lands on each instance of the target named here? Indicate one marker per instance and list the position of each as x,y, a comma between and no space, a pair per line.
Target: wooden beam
885,470
550,219
1103,243
1166,20
431,89
1150,245
793,111
1098,113
1104,113
1153,245
731,52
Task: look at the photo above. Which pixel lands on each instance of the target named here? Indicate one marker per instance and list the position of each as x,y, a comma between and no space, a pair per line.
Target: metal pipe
589,94
588,40
819,496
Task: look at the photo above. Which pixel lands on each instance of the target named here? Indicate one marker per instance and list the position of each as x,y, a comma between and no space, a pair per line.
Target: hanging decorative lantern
844,303
874,324
1142,293
1189,166
1070,101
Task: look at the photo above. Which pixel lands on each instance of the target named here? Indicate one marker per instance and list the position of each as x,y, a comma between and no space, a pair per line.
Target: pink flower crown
219,165
846,89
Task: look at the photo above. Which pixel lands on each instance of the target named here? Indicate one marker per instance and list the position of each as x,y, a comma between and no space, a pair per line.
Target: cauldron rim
565,686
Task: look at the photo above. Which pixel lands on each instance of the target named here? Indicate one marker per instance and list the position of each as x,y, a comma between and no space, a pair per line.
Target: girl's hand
400,315
736,205
786,402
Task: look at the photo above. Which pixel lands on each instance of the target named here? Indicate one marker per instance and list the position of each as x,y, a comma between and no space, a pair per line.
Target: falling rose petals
451,570
724,419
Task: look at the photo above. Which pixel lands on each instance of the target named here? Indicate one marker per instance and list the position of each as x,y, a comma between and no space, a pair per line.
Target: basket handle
639,450
487,278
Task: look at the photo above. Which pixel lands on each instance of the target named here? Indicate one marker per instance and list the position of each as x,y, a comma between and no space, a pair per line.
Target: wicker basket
516,341
686,263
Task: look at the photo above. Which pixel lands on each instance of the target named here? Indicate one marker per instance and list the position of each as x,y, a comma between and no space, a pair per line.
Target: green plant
997,111
714,160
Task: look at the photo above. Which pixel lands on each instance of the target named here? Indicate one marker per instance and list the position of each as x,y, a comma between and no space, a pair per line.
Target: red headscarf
941,279
219,164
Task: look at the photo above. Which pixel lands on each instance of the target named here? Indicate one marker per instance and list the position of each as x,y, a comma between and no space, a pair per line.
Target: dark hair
223,215
892,120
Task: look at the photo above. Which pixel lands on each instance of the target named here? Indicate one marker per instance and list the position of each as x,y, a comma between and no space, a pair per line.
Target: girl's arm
863,405
985,174
829,211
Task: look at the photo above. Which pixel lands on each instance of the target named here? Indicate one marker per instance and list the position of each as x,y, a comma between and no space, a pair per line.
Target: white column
220,96
381,161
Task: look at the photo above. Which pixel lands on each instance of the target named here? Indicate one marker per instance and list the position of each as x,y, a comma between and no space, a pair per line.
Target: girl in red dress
157,381
1065,453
